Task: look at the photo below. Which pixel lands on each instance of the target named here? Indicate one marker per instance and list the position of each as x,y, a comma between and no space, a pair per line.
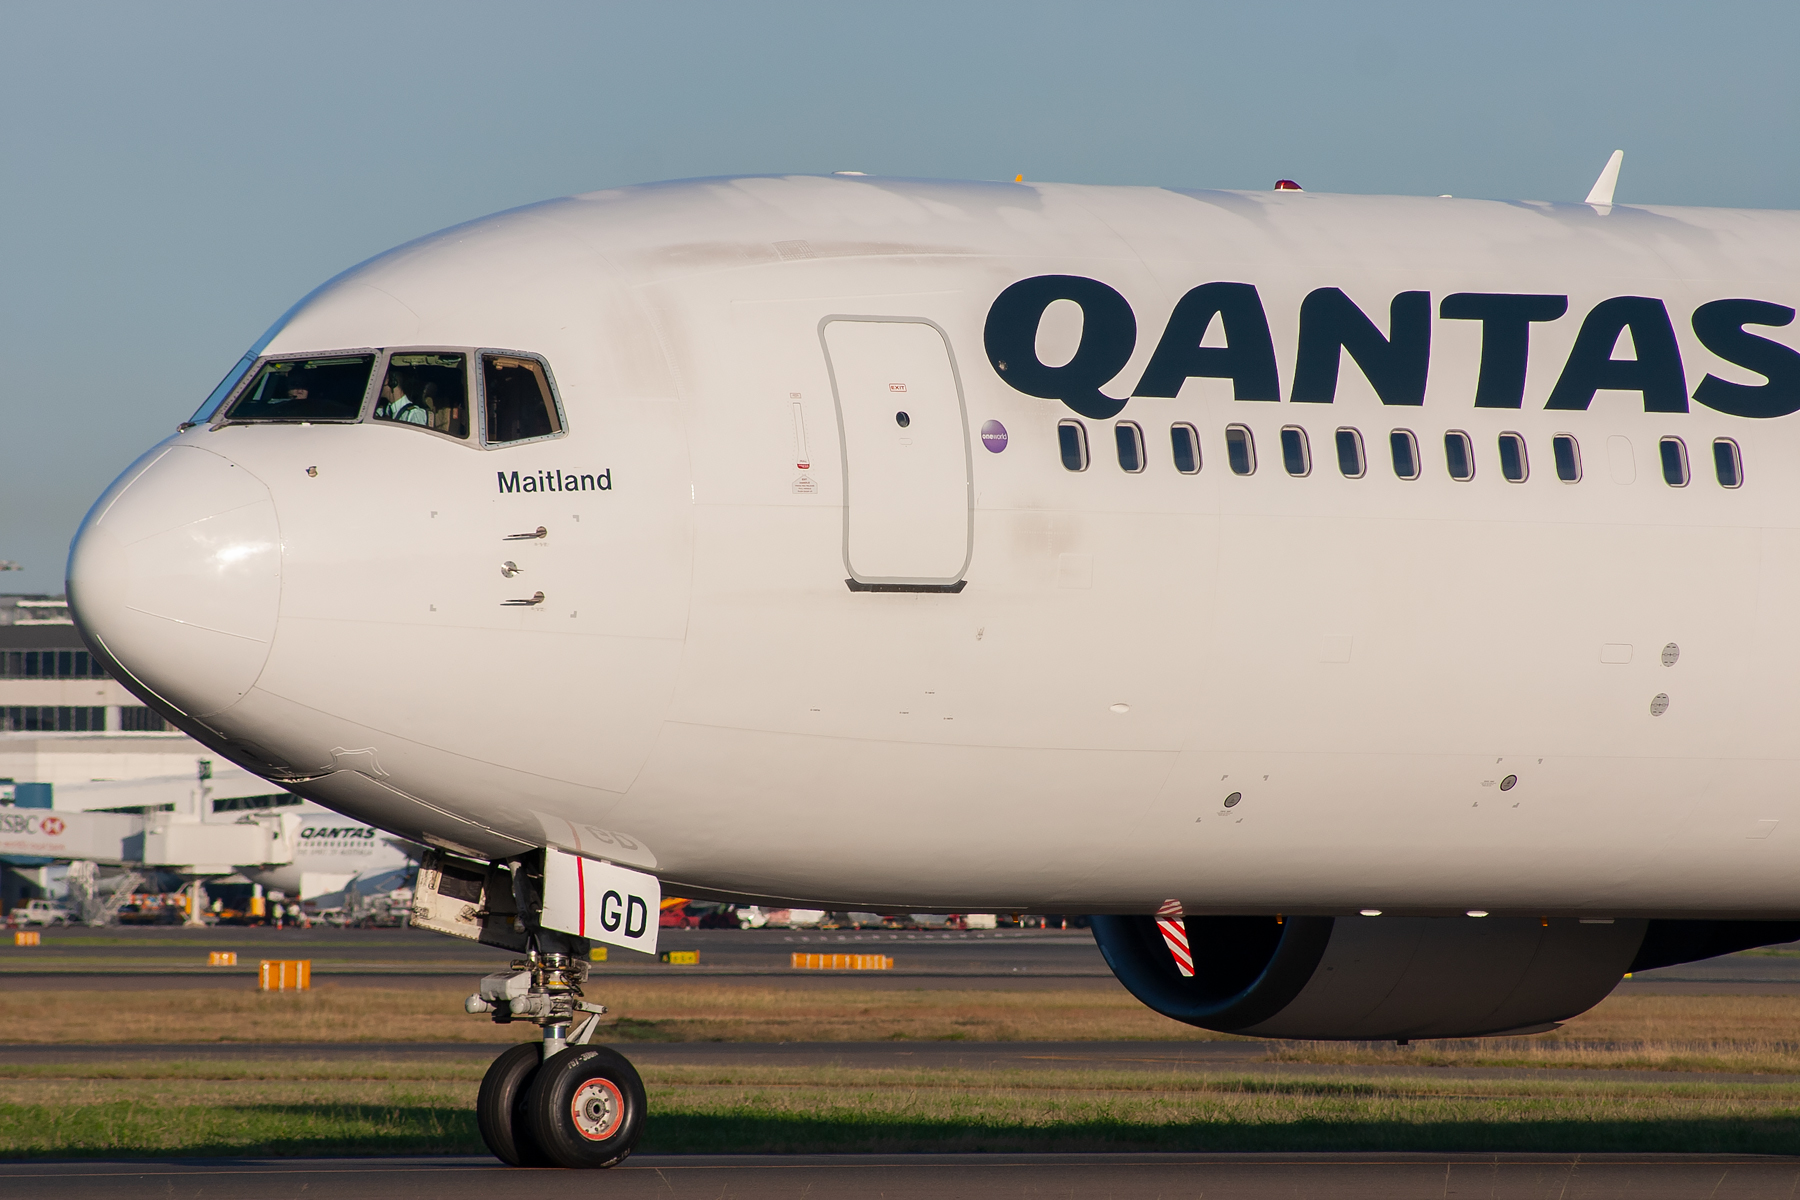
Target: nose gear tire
500,1107
585,1107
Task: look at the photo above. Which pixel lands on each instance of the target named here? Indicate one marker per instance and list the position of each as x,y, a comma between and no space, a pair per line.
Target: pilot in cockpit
396,405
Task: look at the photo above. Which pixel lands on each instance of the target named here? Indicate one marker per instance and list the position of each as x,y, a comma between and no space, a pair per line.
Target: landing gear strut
562,1102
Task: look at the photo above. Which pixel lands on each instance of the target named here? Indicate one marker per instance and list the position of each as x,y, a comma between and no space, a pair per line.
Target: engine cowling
1400,978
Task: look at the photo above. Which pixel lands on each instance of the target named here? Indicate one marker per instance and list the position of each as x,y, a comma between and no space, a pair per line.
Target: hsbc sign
31,821
40,833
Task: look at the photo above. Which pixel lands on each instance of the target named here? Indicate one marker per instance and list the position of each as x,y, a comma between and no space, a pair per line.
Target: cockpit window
306,389
430,390
519,403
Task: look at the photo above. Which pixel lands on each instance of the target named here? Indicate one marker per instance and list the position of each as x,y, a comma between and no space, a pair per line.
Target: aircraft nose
177,575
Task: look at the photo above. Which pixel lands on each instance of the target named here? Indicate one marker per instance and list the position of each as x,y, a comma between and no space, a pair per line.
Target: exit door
908,493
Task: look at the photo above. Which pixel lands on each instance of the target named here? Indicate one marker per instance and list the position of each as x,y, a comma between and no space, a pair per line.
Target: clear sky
174,175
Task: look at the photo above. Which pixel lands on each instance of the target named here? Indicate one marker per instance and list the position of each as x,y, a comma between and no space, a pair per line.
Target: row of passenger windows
424,388
1514,459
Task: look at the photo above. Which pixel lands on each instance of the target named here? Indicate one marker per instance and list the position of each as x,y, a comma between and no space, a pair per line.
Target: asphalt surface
153,956
1772,970
937,1177
161,956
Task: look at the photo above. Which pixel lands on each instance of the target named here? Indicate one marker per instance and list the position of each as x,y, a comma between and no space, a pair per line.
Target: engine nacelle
1399,978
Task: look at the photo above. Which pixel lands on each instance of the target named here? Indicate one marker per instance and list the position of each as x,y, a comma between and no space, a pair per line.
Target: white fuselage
701,694
330,852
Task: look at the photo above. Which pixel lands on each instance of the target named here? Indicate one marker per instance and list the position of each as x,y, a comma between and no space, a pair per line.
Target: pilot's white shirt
402,409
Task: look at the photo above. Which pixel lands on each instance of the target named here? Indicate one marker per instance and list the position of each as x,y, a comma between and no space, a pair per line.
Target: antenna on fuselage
1602,191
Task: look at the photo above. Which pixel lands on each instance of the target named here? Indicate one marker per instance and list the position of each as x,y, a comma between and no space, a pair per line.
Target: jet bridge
138,842
164,840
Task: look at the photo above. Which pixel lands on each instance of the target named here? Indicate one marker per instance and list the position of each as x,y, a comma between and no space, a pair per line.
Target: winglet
1602,192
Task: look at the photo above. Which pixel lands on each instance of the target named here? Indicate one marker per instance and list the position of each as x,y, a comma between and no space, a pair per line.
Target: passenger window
1071,436
1185,441
1130,440
1459,455
1405,449
1350,454
1674,461
1728,463
1240,450
1513,465
519,403
1296,456
1567,453
306,389
427,390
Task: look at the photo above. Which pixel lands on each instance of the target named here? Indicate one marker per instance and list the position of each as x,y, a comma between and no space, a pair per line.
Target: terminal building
64,721
50,684
73,739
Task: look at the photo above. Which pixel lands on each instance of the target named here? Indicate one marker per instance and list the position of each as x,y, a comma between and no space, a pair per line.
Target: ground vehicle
41,912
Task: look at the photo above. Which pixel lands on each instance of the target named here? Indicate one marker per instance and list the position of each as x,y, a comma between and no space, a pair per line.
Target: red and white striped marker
1174,932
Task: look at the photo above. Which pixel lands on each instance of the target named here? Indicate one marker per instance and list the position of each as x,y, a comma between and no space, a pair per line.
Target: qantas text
1396,363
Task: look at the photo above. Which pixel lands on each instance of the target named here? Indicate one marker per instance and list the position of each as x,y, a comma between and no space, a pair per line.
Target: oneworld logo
1397,362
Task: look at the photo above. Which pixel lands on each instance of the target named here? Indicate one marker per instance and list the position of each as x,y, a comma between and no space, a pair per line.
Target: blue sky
175,175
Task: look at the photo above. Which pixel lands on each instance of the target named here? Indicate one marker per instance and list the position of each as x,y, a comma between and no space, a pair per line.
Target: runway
940,1177
1006,959
173,957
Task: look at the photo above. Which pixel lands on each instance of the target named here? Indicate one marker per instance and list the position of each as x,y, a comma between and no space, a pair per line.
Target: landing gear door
601,901
466,899
908,474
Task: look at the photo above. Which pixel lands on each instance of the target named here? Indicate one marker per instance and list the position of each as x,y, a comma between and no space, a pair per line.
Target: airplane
1375,609
331,853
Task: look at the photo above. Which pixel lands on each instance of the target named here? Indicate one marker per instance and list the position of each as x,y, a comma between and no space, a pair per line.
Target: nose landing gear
561,1103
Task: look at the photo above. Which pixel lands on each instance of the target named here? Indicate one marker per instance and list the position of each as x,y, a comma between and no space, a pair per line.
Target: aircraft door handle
536,599
541,532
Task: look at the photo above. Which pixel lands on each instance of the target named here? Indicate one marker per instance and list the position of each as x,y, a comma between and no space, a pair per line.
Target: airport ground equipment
40,912
100,906
183,843
562,1102
802,961
284,975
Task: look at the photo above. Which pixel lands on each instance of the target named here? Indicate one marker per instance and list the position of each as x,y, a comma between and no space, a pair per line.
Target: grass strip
336,1108
1731,1034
